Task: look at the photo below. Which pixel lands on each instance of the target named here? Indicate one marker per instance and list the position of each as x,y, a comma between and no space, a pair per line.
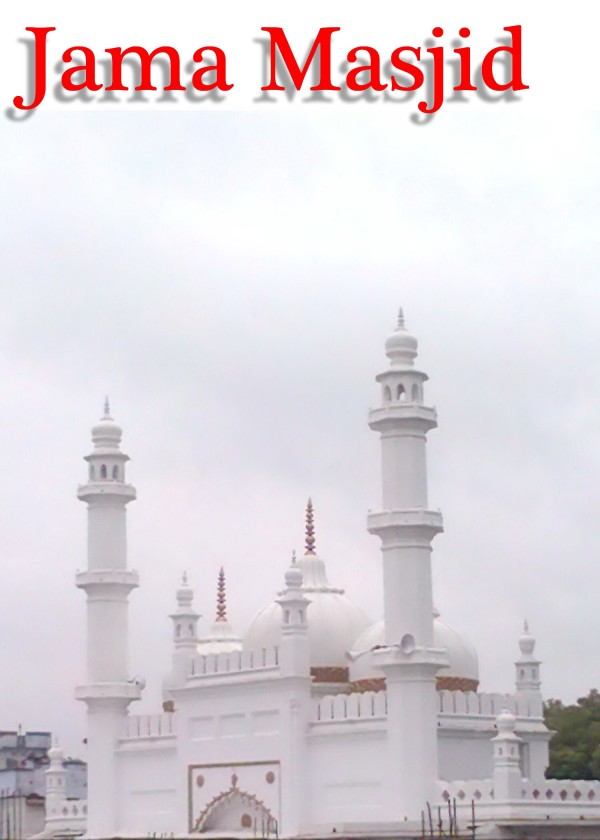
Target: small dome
293,576
526,641
506,721
106,433
55,754
401,346
462,670
221,639
185,593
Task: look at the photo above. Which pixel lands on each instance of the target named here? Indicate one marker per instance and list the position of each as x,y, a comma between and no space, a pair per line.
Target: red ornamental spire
309,542
221,598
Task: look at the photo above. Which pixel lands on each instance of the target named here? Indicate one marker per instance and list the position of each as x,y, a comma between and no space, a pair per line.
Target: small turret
56,781
527,677
185,634
507,753
295,652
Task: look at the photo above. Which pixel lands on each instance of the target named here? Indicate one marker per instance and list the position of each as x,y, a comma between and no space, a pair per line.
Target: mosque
316,721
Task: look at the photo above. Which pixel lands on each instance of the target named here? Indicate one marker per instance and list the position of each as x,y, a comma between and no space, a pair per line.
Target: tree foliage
575,748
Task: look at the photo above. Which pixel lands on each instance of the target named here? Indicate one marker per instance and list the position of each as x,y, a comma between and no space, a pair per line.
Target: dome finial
309,542
106,409
184,578
400,324
294,557
221,597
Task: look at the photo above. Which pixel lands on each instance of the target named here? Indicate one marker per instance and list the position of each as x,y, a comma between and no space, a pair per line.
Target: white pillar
107,583
507,772
406,527
294,663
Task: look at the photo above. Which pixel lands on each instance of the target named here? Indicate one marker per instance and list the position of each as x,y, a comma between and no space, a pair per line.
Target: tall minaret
407,527
107,584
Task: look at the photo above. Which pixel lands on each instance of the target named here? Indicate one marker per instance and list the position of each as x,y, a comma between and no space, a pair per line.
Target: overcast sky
230,279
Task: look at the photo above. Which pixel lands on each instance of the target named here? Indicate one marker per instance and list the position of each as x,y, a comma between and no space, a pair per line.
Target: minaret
107,584
527,677
185,634
294,654
295,685
406,527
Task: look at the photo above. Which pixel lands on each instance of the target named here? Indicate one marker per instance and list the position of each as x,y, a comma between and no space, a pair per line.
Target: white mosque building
317,721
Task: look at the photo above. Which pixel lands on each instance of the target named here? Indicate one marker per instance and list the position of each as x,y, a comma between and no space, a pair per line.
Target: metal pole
430,820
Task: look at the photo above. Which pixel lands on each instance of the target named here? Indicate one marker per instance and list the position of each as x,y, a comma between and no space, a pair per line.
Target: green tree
575,747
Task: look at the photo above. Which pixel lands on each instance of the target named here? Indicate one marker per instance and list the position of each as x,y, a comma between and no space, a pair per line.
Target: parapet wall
545,791
344,707
373,704
150,726
487,705
234,663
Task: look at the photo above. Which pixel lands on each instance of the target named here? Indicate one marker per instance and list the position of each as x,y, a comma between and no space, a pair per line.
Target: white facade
318,720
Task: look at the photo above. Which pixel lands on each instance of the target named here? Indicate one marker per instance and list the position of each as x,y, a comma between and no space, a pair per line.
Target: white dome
334,622
401,346
221,639
464,663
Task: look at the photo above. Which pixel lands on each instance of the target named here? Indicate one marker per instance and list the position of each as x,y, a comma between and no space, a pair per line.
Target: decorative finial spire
400,318
526,626
184,578
294,557
221,598
309,542
106,409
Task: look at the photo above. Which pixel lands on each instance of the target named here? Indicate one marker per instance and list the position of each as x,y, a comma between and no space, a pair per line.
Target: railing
544,791
367,705
563,790
68,809
150,726
486,705
235,662
466,791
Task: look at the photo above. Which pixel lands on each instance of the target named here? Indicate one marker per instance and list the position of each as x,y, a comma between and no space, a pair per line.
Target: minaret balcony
409,523
109,489
109,691
123,579
397,414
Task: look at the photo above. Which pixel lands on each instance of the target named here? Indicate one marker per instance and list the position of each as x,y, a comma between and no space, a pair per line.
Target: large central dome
334,622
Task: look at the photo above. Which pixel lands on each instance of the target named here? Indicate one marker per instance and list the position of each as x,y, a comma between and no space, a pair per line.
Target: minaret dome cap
106,433
293,575
506,721
185,593
55,754
401,346
526,641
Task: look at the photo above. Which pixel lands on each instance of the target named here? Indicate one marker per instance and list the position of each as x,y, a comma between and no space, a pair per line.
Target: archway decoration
237,810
